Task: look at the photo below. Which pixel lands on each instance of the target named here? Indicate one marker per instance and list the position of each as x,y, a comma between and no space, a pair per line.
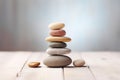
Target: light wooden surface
99,66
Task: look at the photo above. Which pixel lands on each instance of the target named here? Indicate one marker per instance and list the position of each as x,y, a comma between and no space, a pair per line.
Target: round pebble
56,25
57,61
58,51
57,44
34,64
78,63
60,39
57,32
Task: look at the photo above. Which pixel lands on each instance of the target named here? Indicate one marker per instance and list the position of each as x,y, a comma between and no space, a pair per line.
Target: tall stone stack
57,46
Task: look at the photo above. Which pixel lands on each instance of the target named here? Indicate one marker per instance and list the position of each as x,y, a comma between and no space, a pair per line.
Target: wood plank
104,65
77,73
11,63
40,73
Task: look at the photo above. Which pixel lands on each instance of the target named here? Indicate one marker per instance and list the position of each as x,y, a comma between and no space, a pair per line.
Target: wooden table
99,66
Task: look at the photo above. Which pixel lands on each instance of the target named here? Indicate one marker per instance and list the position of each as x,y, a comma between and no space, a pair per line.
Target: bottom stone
57,61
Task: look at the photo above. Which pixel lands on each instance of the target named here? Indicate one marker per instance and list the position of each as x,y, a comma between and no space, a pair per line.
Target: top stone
56,26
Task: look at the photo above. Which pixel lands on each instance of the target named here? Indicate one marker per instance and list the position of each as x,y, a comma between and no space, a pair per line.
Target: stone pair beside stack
57,46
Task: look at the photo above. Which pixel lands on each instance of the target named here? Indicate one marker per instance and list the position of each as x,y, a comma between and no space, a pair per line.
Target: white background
93,25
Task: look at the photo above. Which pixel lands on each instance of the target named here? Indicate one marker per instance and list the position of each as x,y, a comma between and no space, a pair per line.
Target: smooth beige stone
58,51
61,39
57,61
33,64
79,62
56,25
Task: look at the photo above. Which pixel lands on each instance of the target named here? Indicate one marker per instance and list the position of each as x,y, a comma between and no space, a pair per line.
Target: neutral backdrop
93,25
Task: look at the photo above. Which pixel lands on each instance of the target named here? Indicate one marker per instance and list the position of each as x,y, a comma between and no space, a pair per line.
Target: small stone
56,26
59,39
78,63
57,61
57,32
34,64
57,44
58,51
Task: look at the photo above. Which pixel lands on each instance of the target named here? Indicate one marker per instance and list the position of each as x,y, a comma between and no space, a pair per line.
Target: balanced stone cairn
57,46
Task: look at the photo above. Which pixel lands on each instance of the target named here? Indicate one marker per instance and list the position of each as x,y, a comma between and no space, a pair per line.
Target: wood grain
99,66
11,63
104,65
77,73
42,72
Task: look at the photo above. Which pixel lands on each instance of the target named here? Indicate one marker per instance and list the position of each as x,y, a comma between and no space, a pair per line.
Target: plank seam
63,73
89,68
18,74
92,72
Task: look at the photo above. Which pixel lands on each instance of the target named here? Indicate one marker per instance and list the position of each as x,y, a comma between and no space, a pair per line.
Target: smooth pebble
33,64
56,25
57,61
57,32
78,63
59,39
57,44
59,51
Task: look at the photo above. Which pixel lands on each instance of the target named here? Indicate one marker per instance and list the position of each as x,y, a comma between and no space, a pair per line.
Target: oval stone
57,61
56,25
59,39
78,63
58,51
57,32
34,64
57,44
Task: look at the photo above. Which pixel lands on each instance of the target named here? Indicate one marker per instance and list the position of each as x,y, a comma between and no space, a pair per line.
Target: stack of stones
57,47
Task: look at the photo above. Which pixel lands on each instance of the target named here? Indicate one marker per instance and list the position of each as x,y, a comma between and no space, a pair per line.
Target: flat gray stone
57,44
57,61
